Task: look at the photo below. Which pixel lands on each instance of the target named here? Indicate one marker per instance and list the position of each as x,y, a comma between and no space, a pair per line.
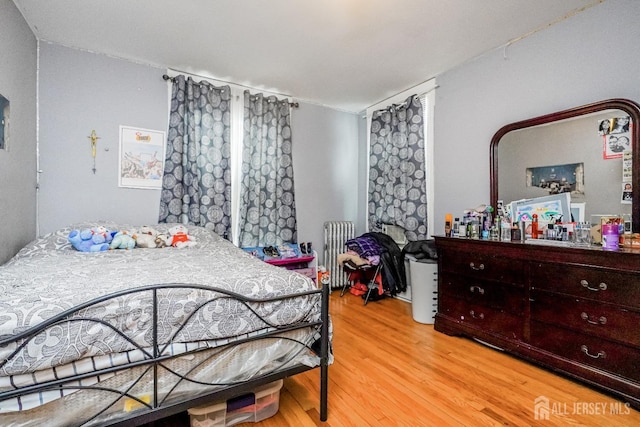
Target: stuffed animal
179,237
145,237
122,240
162,240
90,240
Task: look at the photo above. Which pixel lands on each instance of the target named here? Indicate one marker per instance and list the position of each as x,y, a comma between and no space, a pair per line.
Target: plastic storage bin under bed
263,403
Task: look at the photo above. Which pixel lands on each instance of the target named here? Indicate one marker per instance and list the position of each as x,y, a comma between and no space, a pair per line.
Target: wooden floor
392,371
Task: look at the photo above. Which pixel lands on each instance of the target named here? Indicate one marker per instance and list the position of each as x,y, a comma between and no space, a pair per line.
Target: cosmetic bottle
456,227
505,230
610,236
488,219
448,220
534,227
475,228
551,232
494,233
516,234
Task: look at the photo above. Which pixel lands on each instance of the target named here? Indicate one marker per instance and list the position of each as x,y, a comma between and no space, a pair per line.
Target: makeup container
610,236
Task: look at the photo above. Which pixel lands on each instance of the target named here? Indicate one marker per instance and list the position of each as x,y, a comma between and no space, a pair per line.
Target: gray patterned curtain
267,203
397,185
196,187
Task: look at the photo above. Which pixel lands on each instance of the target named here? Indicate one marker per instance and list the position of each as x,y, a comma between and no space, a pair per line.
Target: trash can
424,289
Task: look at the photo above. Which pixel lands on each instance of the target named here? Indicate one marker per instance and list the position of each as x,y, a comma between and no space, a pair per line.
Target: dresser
573,310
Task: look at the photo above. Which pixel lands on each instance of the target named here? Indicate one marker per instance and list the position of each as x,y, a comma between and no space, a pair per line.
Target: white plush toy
180,238
146,237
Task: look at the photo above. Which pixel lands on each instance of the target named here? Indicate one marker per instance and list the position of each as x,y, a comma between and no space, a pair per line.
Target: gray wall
82,91
325,160
18,49
589,57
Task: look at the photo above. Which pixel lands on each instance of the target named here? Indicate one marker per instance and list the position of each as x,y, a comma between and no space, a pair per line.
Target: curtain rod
166,77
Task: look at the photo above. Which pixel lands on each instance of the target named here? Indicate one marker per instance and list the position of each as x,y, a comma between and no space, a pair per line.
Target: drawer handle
601,287
473,266
601,320
601,354
478,316
473,289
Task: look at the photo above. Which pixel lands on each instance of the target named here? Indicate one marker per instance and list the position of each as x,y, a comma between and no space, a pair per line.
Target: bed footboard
161,368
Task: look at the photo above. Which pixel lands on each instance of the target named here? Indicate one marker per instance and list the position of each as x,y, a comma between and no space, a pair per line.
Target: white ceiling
345,54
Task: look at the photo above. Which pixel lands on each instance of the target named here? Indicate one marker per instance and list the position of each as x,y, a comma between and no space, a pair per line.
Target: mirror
581,151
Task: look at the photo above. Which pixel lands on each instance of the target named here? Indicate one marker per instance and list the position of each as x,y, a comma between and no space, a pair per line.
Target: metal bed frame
158,407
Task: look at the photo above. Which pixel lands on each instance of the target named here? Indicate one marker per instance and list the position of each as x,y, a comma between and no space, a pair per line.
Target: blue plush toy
90,240
122,240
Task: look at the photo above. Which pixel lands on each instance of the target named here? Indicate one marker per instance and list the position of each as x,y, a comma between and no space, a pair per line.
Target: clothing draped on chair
267,203
375,249
397,172
196,186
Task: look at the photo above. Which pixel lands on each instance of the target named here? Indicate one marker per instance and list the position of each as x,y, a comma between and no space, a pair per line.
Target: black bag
421,249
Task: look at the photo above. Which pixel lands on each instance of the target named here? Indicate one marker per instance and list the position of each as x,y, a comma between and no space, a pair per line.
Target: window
384,203
233,115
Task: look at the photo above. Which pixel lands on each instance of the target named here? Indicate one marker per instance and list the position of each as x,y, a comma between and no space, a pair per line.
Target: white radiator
336,233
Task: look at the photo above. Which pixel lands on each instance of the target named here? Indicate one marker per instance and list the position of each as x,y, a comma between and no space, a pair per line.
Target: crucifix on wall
94,142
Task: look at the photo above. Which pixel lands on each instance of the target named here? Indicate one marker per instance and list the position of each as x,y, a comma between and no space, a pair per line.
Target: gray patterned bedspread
48,276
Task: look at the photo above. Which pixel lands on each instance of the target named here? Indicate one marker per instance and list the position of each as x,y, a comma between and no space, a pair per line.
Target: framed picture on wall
141,158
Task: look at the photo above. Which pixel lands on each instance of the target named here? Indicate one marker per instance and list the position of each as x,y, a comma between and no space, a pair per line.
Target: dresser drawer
485,318
587,282
496,295
483,266
598,319
587,349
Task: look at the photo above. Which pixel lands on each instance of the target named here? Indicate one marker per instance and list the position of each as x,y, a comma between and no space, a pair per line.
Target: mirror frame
626,105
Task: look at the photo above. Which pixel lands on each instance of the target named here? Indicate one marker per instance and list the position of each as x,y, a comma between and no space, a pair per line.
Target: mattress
48,277
206,369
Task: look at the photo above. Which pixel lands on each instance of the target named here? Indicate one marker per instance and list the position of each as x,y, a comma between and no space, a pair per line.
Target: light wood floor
392,371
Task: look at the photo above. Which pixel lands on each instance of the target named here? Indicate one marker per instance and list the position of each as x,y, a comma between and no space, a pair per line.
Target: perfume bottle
516,234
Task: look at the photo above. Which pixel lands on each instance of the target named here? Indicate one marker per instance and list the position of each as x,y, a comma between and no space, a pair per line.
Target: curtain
397,172
267,203
196,187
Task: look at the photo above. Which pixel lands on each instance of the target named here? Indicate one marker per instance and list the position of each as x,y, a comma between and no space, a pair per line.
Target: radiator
336,233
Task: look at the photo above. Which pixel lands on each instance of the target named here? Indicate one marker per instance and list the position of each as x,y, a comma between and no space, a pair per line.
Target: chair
365,270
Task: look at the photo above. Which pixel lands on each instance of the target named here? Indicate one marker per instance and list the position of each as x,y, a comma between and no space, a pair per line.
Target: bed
125,337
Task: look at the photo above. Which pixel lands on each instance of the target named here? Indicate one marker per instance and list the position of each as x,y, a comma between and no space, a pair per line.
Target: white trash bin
424,289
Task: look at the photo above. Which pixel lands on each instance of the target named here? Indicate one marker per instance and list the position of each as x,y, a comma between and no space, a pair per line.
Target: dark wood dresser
573,310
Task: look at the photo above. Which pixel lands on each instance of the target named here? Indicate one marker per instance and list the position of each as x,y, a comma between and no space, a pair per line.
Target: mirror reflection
587,152
574,156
